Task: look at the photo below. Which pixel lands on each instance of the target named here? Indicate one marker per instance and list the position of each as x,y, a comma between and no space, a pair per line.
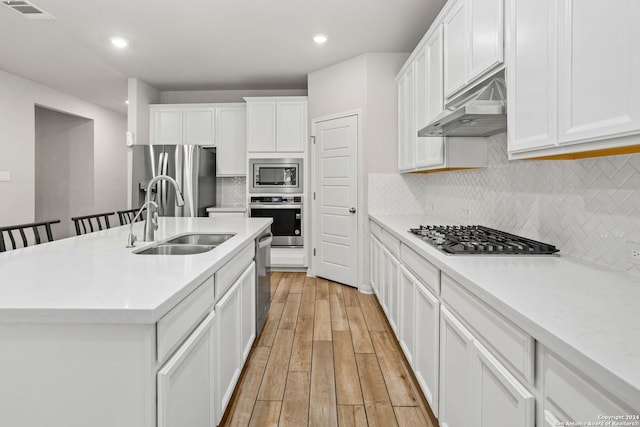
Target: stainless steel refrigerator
192,166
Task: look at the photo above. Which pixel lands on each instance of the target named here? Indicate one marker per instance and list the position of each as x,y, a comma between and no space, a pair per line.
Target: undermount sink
187,244
200,239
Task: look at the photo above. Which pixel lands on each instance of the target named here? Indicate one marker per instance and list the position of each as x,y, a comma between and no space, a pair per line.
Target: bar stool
127,216
90,223
13,232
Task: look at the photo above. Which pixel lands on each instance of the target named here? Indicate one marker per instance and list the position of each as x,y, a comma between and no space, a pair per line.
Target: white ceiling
200,44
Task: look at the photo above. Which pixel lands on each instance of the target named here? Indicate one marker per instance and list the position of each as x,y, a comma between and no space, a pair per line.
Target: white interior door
336,197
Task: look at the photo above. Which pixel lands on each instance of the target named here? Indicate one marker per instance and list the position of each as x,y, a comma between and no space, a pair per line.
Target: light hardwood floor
326,357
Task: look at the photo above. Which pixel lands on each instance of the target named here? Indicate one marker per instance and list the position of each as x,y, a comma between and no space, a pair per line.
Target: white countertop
95,278
587,314
227,209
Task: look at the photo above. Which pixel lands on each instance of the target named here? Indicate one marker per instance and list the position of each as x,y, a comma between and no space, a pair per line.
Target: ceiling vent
28,10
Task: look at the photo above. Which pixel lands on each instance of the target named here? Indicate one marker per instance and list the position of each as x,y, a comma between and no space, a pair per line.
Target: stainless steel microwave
275,176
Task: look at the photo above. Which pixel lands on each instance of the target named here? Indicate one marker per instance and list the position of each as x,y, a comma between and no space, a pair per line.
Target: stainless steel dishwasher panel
263,279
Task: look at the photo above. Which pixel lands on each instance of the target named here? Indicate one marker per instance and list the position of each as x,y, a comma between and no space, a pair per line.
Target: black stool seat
127,216
90,223
15,232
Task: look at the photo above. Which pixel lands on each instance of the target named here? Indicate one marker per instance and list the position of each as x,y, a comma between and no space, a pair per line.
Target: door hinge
313,139
314,251
314,195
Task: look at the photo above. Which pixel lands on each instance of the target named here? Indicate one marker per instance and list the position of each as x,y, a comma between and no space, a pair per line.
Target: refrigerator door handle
164,183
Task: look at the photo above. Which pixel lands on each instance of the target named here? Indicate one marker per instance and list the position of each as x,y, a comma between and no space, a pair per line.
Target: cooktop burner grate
480,240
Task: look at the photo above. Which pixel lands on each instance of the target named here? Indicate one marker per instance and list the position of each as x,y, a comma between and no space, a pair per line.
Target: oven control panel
276,200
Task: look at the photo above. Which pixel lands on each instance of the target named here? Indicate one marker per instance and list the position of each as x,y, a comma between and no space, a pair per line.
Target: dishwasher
263,279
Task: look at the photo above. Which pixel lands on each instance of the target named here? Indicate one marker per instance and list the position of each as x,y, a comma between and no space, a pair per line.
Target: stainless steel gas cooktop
479,240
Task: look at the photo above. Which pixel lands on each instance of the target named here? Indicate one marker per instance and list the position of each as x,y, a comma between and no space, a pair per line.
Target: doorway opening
64,168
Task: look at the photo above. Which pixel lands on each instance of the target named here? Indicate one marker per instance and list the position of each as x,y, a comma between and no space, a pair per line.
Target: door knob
352,210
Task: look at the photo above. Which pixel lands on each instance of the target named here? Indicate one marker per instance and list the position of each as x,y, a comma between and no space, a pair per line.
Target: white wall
17,146
200,96
367,84
140,95
64,169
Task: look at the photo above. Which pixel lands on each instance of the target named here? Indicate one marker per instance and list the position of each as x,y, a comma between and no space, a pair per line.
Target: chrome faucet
151,220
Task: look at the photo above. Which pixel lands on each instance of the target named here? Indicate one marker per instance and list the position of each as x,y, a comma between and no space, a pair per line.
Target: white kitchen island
94,335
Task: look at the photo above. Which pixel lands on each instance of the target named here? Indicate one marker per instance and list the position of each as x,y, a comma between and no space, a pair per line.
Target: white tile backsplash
233,191
589,208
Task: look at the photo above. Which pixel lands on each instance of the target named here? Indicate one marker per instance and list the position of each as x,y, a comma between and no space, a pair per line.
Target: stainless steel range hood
483,114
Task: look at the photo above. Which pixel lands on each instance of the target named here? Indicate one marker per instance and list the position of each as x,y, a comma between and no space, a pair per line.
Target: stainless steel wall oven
286,212
275,176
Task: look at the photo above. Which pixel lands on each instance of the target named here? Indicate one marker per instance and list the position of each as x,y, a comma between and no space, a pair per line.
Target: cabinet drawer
232,270
569,396
174,327
375,229
514,346
391,243
426,272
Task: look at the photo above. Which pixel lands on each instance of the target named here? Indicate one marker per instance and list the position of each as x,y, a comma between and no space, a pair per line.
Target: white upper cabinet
473,42
231,151
276,124
573,73
182,124
434,93
455,48
407,131
598,69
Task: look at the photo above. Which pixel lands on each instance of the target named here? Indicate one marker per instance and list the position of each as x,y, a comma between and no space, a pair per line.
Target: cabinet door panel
455,48
427,332
261,126
421,96
531,75
392,272
384,279
166,125
406,321
228,345
291,126
199,126
485,36
248,311
599,69
500,400
435,94
231,153
456,351
185,382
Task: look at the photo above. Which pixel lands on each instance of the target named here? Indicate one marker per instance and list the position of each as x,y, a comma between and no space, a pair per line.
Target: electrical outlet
633,252
5,176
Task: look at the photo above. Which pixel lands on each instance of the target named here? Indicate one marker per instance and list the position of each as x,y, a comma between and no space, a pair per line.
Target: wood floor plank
359,331
373,387
352,416
381,415
270,328
309,290
239,411
290,312
322,321
295,406
283,288
276,276
350,296
339,320
323,408
266,414
297,285
373,314
393,370
348,390
275,374
410,416
322,292
303,338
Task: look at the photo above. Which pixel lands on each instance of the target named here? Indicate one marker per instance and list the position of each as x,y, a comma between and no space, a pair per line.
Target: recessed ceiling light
320,38
119,42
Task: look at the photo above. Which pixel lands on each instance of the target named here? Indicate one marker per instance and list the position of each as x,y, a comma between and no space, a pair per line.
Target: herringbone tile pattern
589,208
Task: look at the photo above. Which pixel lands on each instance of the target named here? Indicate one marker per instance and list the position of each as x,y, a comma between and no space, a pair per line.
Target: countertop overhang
585,313
94,278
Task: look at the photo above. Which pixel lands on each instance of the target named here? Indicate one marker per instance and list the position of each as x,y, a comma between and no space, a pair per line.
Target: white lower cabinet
228,344
426,355
248,309
185,382
476,389
569,396
406,324
392,287
456,352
